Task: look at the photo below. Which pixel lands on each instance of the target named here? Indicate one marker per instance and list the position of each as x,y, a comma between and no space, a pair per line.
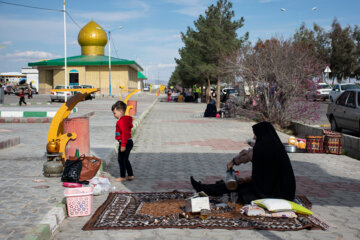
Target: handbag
90,166
72,170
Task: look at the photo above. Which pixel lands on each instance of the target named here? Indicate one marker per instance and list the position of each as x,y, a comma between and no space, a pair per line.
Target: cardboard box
195,204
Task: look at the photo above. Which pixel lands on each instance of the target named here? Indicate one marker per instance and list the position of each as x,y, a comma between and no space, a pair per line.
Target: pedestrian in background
123,135
22,97
29,93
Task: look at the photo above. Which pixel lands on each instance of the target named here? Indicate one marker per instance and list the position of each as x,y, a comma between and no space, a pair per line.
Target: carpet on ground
167,210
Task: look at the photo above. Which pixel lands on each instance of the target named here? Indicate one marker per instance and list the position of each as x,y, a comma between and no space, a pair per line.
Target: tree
279,73
356,38
316,40
214,36
342,51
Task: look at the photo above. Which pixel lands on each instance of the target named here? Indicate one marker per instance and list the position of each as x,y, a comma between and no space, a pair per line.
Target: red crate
332,142
314,144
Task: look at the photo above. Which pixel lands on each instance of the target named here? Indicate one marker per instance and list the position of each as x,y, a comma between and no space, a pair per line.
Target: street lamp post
109,39
65,57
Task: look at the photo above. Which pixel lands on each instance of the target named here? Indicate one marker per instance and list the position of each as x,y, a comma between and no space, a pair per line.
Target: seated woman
211,109
272,173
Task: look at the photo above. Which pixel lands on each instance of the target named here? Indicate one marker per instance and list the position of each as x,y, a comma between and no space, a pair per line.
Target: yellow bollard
121,92
56,127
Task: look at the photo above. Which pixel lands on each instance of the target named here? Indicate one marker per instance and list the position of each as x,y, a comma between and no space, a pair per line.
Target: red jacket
123,129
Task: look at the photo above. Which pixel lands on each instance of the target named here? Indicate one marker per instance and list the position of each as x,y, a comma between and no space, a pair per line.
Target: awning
141,75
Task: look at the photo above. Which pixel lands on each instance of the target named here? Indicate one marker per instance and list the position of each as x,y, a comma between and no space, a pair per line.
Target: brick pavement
169,148
21,205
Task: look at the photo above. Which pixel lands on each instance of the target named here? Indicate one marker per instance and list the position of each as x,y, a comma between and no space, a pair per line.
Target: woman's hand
230,165
122,149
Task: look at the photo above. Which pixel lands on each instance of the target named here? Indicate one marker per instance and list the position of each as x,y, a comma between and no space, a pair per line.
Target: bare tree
278,73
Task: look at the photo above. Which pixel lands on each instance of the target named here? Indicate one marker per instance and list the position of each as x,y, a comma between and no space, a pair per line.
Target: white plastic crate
79,201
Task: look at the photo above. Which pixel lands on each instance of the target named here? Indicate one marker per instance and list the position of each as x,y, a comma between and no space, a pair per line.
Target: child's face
118,113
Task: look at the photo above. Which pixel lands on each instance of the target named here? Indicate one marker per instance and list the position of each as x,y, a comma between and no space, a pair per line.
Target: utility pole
65,59
109,32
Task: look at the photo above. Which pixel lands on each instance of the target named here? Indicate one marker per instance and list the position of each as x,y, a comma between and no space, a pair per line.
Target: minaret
92,39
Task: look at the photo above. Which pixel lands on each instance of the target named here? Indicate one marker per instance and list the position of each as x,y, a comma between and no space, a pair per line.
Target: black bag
72,170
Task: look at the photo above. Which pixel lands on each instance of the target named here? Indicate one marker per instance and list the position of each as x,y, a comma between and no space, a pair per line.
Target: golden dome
92,39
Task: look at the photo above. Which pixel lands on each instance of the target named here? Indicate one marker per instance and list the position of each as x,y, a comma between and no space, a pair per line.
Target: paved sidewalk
174,143
21,205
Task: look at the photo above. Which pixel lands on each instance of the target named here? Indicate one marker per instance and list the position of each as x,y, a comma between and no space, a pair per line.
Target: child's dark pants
123,159
22,100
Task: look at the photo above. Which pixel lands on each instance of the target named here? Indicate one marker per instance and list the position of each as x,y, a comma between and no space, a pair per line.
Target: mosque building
91,67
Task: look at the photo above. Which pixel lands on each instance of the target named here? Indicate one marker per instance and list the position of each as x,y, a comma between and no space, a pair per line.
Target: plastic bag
101,185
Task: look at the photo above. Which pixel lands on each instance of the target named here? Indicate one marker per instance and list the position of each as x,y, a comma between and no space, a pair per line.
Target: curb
9,142
349,143
52,220
25,120
25,114
29,103
144,114
31,116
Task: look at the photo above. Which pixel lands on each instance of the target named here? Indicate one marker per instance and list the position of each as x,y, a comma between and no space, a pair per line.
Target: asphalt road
37,98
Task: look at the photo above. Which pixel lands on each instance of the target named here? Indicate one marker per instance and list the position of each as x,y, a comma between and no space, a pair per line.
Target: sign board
327,69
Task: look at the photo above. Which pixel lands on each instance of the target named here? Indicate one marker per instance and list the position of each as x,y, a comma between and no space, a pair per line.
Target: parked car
227,93
340,88
60,96
344,113
75,87
26,89
9,90
321,91
146,89
91,96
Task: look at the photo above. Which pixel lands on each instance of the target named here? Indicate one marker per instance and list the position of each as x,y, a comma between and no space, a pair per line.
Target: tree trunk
218,94
208,89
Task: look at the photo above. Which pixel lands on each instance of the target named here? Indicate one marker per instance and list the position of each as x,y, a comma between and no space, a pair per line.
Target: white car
92,95
344,113
60,96
338,89
322,91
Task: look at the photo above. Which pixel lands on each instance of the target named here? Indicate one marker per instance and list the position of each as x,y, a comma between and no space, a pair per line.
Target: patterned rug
166,210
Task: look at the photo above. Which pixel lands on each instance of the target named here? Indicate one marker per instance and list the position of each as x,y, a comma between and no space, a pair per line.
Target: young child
22,97
123,135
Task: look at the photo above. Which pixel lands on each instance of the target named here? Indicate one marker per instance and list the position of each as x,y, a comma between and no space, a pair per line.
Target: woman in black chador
272,173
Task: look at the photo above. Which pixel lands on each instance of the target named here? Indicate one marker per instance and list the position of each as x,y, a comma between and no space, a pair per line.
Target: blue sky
151,28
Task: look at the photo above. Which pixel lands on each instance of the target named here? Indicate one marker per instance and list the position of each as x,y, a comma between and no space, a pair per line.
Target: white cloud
7,43
28,56
135,9
112,16
133,4
166,65
191,8
40,31
269,1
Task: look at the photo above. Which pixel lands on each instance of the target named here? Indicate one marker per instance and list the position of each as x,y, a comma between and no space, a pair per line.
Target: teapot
53,146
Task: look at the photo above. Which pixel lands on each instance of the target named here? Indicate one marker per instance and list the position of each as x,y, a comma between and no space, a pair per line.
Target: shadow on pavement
156,172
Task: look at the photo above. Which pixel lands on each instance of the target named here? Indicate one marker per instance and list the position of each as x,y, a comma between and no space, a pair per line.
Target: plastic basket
79,201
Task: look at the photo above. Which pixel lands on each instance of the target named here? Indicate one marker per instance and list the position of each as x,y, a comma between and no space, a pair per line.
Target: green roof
84,60
141,75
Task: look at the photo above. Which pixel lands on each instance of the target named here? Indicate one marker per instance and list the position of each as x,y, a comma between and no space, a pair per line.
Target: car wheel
334,126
